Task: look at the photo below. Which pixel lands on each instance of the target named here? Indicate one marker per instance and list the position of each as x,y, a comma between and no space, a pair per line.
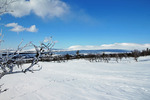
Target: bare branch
4,6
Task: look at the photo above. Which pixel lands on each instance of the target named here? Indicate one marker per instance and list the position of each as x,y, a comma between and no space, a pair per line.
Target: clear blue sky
86,22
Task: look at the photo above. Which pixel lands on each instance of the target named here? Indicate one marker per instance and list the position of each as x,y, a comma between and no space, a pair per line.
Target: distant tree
67,56
117,57
136,54
77,52
147,51
103,55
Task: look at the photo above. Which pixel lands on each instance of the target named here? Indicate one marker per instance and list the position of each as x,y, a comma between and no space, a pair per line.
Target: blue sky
79,22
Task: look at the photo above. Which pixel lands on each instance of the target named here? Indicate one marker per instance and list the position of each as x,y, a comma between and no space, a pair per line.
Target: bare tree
13,59
117,57
136,55
10,60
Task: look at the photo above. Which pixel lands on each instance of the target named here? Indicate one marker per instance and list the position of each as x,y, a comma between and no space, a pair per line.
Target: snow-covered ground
81,80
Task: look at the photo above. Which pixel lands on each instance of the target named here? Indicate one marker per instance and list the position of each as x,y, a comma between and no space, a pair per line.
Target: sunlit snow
81,80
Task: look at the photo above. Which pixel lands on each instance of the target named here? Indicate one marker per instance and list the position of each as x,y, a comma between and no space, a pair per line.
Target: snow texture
81,80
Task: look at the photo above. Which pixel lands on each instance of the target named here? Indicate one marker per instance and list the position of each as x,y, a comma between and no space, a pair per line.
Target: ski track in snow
81,80
34,91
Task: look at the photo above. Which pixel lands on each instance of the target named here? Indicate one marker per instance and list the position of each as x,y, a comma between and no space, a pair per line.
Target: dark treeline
98,57
135,54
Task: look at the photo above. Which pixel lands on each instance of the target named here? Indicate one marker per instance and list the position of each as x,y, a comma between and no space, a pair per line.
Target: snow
81,80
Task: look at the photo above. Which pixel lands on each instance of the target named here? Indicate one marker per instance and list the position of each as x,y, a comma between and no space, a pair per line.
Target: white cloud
126,46
32,29
15,27
18,28
47,39
12,25
41,8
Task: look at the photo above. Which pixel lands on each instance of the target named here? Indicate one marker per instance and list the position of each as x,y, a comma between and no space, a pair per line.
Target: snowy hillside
81,80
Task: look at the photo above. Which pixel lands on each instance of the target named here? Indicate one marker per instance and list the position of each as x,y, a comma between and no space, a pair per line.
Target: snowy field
81,80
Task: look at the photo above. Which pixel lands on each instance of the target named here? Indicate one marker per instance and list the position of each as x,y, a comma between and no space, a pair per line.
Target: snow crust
81,80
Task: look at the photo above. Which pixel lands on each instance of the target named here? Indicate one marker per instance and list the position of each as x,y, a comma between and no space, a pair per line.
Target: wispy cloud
41,8
47,39
18,28
126,46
